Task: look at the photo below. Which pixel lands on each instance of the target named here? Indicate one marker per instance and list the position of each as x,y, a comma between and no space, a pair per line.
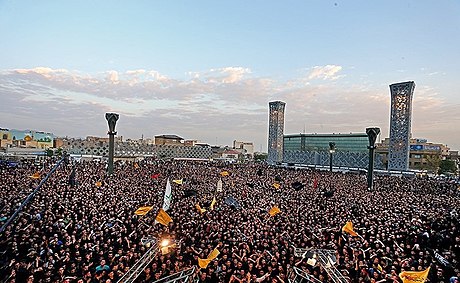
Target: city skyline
207,70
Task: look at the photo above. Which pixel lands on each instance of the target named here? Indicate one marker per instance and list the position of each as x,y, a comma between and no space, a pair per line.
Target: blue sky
207,69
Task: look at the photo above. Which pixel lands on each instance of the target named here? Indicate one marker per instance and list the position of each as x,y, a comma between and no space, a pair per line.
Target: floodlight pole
372,134
331,151
112,119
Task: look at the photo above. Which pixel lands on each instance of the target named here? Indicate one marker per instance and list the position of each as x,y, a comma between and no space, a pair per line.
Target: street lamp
331,151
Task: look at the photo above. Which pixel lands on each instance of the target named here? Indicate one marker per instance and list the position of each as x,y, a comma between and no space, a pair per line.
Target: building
25,139
352,142
134,148
246,148
275,132
423,155
400,125
168,140
313,149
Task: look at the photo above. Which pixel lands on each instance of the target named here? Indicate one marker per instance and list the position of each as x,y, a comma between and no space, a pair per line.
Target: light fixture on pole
331,151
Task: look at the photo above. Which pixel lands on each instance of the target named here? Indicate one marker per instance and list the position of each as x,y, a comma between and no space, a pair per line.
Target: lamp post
112,119
372,134
331,151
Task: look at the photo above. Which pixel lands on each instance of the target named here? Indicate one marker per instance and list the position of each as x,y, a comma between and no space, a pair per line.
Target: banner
179,182
414,276
219,186
274,211
198,207
444,262
348,228
155,176
163,218
232,202
36,175
203,263
143,210
224,173
276,185
168,196
213,202
98,184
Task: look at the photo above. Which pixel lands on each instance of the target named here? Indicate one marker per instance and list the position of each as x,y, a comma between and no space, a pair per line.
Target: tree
49,152
433,162
447,166
259,156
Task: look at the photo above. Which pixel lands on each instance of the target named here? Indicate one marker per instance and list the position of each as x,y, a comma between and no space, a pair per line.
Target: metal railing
297,275
140,265
32,195
185,276
325,259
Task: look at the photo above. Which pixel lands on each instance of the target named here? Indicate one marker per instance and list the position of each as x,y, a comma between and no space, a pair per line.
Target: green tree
49,152
433,162
447,166
258,157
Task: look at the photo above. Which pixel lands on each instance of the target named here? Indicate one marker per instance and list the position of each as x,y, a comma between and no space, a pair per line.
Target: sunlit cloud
328,72
224,103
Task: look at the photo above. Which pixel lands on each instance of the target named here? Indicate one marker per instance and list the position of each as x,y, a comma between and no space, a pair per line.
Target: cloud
224,103
328,72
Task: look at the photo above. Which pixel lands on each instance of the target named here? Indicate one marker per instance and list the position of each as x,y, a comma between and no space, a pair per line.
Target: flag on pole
163,218
136,165
219,186
224,173
98,184
143,210
200,210
276,185
213,202
36,175
274,211
179,182
168,196
348,228
414,276
203,263
155,176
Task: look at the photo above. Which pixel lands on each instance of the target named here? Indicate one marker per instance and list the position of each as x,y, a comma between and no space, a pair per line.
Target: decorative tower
400,125
275,131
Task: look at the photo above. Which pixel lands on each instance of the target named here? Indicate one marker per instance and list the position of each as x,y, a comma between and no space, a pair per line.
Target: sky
206,70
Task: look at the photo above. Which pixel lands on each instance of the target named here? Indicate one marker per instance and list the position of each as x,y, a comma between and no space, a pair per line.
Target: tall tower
275,131
400,125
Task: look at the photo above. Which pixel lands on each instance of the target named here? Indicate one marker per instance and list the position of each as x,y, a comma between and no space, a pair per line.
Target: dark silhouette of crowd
86,231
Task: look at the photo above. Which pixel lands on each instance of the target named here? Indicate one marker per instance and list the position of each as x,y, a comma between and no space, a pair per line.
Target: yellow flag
179,182
414,276
213,202
274,211
143,210
203,263
136,165
224,173
36,175
276,185
163,218
98,184
348,228
201,210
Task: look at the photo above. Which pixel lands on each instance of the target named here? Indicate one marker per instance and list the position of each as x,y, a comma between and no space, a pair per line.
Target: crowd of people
86,230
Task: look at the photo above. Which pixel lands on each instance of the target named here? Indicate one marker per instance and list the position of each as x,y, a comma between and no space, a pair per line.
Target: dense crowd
88,232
